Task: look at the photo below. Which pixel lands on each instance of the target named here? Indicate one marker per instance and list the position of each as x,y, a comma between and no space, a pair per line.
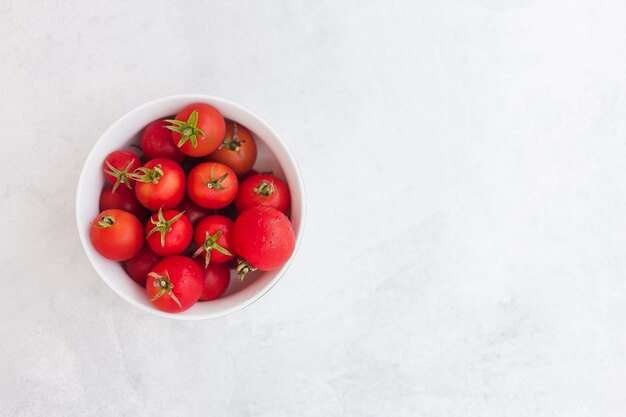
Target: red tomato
216,280
156,142
123,199
213,237
198,129
118,166
194,212
160,184
263,190
169,232
212,185
175,284
237,151
116,234
263,238
140,265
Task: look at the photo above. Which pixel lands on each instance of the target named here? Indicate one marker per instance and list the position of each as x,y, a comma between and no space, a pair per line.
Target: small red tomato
213,237
194,212
140,265
175,284
169,232
123,199
198,129
160,184
118,166
263,238
212,185
116,234
263,190
216,280
156,142
237,151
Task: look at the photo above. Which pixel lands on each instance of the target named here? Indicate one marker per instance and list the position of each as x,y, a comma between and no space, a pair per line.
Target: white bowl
273,155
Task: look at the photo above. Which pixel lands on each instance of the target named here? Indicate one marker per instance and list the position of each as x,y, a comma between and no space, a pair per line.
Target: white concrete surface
465,163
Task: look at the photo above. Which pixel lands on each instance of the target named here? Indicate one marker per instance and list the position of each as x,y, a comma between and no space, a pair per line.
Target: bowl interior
273,155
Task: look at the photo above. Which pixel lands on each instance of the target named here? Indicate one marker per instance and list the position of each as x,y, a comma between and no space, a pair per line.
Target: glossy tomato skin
208,189
194,212
177,236
123,199
116,234
211,225
263,236
140,265
216,280
238,149
121,160
156,142
187,282
253,192
210,122
169,190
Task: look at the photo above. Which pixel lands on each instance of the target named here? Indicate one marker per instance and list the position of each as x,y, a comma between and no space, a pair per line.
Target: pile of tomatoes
192,208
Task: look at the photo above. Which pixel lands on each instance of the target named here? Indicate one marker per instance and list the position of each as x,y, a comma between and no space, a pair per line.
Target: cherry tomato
156,142
213,237
198,129
175,284
212,185
140,265
116,234
194,212
118,166
263,190
216,280
169,232
123,199
263,238
237,151
160,184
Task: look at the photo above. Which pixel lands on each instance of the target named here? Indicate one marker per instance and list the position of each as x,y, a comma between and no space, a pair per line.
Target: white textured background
465,245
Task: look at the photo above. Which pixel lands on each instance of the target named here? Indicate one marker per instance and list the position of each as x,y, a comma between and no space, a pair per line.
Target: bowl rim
299,184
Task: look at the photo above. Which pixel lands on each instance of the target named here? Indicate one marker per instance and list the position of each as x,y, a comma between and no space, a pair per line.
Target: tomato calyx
215,184
144,174
209,244
104,222
163,226
243,268
265,188
164,284
121,176
188,129
233,143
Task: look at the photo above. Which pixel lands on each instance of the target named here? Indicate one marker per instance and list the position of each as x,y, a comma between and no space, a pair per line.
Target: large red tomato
237,151
212,185
160,184
116,234
198,129
263,238
175,284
